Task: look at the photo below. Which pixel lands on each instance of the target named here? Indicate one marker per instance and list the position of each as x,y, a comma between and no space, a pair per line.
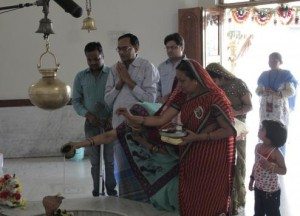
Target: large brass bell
89,24
49,92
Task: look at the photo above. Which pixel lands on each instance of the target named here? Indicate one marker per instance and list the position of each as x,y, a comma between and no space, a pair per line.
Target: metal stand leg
101,184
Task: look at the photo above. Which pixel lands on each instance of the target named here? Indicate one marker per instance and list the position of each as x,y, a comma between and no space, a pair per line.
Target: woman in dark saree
195,177
240,98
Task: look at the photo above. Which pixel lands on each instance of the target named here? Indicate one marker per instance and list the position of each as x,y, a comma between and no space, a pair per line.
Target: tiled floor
45,176
49,176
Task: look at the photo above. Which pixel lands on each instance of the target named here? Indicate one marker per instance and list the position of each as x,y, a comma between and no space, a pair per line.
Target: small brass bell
49,92
89,24
45,26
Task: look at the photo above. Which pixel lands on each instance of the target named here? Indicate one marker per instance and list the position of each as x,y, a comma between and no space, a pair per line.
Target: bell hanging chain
88,6
49,52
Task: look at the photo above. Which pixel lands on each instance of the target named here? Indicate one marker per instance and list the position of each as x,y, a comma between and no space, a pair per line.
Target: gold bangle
208,136
91,141
154,149
272,168
134,128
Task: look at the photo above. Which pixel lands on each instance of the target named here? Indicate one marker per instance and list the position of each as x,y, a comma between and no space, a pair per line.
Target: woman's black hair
214,75
276,132
187,69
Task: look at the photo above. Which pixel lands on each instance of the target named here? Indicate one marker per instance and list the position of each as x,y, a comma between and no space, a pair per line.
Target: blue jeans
266,203
95,157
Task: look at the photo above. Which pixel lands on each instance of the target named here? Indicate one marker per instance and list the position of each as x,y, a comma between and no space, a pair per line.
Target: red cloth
206,168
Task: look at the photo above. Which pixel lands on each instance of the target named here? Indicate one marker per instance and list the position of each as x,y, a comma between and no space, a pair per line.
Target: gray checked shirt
146,77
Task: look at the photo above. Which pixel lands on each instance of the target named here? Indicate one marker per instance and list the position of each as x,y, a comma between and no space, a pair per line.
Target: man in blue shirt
88,101
174,44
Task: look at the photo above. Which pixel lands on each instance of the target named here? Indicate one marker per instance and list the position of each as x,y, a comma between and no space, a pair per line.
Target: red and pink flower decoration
10,191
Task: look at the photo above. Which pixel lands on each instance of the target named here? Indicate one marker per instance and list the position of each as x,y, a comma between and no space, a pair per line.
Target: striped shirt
88,93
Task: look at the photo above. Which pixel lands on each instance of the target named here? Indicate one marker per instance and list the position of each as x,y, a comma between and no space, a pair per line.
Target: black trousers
266,203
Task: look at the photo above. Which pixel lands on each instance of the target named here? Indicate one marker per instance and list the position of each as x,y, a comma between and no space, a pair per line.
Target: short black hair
176,37
277,56
276,132
133,39
93,46
187,69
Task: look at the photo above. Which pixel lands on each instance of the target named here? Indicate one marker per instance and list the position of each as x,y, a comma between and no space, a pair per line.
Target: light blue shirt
88,93
146,77
167,73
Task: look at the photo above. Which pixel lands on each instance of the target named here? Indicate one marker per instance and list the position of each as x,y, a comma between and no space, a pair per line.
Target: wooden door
190,26
212,35
202,32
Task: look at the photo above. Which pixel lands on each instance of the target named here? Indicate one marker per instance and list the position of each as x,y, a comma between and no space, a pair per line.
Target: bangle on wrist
91,141
272,167
208,136
143,120
154,149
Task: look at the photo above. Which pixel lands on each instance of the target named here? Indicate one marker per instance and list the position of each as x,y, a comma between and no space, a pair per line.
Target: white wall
21,47
29,131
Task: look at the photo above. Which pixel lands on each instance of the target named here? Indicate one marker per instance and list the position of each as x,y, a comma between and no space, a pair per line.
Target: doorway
251,44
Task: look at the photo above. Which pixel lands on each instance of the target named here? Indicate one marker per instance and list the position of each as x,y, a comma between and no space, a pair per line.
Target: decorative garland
263,16
240,15
285,14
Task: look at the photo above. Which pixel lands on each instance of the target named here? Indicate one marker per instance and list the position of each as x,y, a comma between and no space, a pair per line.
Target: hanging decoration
297,13
212,19
89,22
262,16
238,46
240,15
285,14
49,92
296,18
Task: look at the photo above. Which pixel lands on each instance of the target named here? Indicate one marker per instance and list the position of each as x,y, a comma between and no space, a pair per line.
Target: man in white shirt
174,44
132,80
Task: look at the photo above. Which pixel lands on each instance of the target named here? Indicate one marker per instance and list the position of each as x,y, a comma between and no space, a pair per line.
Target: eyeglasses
171,47
123,48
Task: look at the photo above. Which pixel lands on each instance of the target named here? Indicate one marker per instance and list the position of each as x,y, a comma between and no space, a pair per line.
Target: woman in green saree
155,168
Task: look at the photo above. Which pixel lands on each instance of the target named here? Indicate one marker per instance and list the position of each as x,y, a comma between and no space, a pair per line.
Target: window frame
221,3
